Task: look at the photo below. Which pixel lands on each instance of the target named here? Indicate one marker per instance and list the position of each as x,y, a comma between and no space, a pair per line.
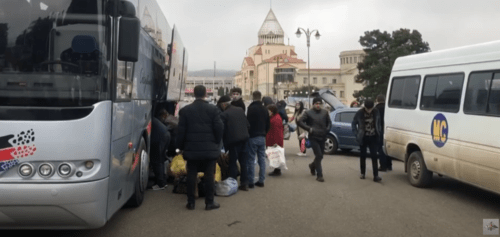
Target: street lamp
308,35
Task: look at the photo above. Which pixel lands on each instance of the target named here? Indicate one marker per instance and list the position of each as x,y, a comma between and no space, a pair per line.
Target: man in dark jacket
199,135
258,117
366,126
317,122
282,110
237,100
385,162
235,139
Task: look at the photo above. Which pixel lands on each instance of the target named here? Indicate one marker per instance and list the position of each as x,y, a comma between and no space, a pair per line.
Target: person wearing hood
282,111
267,101
299,111
317,122
366,125
235,138
236,99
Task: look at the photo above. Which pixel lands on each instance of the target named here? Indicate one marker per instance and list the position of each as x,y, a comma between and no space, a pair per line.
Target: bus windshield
52,53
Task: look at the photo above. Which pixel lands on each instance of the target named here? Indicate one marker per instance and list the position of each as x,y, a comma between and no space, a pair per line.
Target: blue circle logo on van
439,130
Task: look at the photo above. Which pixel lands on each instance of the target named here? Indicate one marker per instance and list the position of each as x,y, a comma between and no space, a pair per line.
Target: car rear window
345,117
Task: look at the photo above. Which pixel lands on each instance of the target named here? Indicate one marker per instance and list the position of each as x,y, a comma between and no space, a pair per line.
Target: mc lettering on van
439,130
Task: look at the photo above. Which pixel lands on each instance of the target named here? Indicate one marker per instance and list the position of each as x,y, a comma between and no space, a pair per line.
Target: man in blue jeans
258,117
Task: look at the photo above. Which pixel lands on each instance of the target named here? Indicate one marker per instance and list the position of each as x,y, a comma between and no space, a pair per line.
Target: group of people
204,130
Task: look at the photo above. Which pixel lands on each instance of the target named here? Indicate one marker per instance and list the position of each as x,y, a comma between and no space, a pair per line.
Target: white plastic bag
226,187
276,157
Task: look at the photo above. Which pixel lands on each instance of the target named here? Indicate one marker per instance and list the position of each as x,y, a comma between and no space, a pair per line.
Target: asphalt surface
295,204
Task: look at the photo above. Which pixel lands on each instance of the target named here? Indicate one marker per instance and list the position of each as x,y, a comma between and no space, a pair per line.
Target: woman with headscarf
275,134
299,111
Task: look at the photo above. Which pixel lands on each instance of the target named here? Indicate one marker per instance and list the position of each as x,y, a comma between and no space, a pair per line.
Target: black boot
212,206
313,170
276,172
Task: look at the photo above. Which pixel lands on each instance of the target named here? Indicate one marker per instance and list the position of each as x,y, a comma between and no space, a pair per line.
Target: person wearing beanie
317,122
366,125
235,138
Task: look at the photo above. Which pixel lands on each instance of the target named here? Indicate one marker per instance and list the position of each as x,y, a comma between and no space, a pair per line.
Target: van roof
484,52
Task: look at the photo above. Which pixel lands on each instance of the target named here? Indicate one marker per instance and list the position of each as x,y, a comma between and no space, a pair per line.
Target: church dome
271,32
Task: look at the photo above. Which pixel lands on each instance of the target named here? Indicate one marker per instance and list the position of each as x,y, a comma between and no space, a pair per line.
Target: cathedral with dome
273,68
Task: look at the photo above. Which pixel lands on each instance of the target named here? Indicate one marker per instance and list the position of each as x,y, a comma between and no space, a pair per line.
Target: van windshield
51,53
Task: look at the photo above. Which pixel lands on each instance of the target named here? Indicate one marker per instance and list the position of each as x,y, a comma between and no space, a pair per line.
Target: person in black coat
385,161
258,117
282,110
366,126
318,123
237,100
199,135
235,139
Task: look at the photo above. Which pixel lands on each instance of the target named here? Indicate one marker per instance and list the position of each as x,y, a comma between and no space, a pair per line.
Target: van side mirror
130,31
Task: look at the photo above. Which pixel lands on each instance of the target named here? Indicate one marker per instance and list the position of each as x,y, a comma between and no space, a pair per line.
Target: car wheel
331,145
418,175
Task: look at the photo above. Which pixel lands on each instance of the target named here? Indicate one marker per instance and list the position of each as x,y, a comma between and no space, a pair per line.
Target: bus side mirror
130,31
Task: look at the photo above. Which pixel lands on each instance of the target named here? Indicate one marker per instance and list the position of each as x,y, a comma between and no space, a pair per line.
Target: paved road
297,205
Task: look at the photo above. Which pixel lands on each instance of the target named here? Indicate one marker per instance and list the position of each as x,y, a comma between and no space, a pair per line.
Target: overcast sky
223,30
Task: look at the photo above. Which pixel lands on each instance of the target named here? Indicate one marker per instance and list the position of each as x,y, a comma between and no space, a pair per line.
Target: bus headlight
26,170
64,170
89,164
45,170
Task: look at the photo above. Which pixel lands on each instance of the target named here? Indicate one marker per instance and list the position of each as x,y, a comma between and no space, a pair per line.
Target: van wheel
418,175
331,145
142,178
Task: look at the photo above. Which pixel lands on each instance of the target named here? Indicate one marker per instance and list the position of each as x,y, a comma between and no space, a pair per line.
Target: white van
443,115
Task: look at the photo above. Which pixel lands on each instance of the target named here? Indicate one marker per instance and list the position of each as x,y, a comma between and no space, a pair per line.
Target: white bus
79,83
443,115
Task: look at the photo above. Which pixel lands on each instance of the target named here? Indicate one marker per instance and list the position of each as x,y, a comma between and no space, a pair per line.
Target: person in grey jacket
317,122
366,125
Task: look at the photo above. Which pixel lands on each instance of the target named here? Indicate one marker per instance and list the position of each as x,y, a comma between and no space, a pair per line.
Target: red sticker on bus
13,147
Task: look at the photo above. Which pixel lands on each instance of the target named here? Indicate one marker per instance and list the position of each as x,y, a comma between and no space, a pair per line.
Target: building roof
249,61
283,58
324,69
258,52
292,52
271,25
286,65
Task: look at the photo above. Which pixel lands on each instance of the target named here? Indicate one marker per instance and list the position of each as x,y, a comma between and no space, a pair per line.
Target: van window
404,92
442,92
483,93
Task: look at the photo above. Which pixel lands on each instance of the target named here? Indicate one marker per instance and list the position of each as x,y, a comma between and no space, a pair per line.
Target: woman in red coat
275,134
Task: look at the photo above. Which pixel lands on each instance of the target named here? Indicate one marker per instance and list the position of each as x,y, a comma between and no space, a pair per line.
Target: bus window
404,92
442,93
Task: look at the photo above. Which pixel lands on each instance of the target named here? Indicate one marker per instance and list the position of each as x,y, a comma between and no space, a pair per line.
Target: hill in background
210,73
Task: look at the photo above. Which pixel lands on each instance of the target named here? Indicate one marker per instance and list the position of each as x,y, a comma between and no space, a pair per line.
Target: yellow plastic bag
218,173
178,166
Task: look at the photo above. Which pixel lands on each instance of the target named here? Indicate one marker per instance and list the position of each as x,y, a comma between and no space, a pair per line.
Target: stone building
276,70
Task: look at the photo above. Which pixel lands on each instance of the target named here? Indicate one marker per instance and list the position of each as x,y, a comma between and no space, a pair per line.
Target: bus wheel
418,175
142,178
